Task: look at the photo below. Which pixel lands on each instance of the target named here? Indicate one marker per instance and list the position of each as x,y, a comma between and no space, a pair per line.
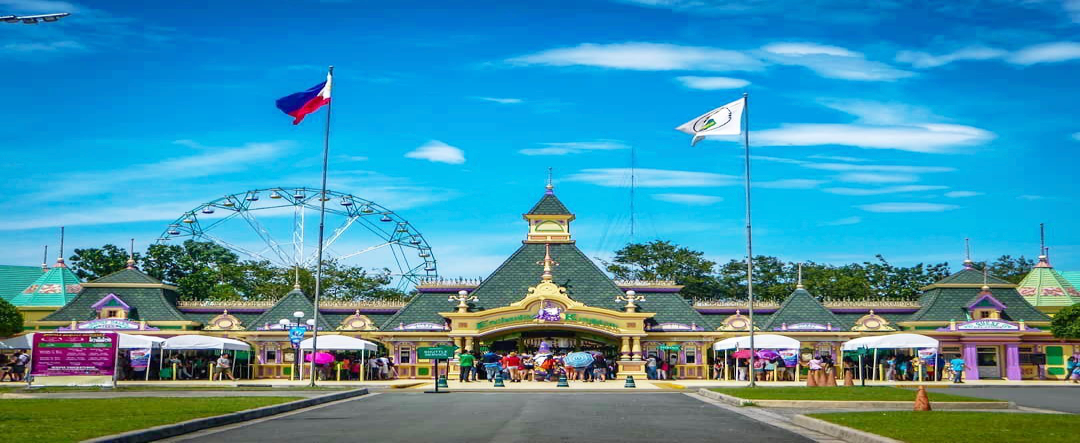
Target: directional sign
435,352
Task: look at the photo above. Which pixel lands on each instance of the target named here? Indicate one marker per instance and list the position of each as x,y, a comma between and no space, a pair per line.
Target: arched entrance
560,338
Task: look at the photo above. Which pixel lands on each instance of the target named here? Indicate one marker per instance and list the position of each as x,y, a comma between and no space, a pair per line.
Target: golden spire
967,254
550,187
799,284
547,262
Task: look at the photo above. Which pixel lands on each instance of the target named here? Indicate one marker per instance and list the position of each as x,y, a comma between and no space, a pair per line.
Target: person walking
650,367
600,368
466,362
527,367
224,368
491,364
1072,370
18,365
957,369
513,366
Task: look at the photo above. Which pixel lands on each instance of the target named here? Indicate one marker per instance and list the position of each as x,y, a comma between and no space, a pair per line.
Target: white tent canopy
891,341
761,341
193,342
340,343
127,341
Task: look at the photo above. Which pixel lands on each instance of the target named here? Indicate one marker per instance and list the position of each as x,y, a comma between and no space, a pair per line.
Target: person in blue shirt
957,368
1071,370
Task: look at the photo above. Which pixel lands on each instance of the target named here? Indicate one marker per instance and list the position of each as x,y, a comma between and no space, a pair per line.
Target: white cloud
832,62
37,6
839,158
1076,136
438,152
653,178
907,207
100,216
922,60
1046,53
711,83
791,183
808,49
876,178
575,147
643,56
1049,52
962,194
1030,197
353,158
501,100
49,47
842,167
925,138
689,199
885,190
881,113
843,222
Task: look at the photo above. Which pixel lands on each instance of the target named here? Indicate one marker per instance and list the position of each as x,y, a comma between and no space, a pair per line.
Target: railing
829,303
449,282
328,304
643,283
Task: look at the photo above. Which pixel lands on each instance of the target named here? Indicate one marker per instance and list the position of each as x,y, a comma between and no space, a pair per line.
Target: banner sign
296,335
140,359
669,347
928,355
74,359
790,356
435,352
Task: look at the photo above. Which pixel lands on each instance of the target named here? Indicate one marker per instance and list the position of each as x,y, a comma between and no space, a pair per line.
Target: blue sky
899,130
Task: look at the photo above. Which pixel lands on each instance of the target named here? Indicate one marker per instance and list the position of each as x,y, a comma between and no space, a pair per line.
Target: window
113,313
984,314
271,356
404,355
691,355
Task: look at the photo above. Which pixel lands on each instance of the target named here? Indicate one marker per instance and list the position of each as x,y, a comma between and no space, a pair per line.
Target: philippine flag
300,104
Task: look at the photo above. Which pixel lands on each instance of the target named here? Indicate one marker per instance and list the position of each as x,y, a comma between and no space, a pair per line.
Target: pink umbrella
321,358
745,353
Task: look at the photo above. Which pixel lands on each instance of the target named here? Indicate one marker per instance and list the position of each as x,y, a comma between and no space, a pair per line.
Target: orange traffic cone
812,379
848,378
922,402
830,377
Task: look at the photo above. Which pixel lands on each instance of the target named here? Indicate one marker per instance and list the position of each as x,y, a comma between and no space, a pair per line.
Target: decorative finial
1044,252
61,260
799,284
547,262
986,285
131,255
630,297
462,298
968,264
45,260
550,187
296,277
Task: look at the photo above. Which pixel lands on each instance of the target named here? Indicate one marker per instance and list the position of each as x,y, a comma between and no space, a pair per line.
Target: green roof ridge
57,287
15,279
549,204
293,301
1034,288
802,307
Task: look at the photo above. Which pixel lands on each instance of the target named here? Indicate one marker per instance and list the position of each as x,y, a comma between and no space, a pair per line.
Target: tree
1066,323
93,263
11,320
663,260
1012,269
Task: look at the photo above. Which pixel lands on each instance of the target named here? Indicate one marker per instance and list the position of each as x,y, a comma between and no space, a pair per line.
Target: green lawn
68,420
956,427
838,393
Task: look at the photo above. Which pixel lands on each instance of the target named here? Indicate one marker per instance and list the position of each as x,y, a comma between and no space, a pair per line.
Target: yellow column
625,351
458,343
469,344
211,371
636,349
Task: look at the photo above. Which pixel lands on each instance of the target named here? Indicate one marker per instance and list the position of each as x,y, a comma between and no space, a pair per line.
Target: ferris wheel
272,225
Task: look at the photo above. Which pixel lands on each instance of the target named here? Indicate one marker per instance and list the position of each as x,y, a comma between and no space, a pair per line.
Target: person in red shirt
513,364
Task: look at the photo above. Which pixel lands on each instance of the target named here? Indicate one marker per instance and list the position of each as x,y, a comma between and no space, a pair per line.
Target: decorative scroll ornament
224,322
357,322
872,322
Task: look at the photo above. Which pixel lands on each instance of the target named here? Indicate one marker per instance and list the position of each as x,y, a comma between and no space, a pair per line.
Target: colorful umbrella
767,354
321,358
578,359
745,353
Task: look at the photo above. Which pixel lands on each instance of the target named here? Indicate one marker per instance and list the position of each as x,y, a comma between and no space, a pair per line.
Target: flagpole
322,223
749,239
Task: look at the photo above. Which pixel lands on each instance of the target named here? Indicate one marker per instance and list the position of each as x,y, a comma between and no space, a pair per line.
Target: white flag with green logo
725,120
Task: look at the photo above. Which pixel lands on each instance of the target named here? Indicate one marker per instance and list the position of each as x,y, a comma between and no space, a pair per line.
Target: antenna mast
633,179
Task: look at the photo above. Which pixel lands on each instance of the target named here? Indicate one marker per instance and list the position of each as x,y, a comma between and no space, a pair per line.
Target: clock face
225,323
872,324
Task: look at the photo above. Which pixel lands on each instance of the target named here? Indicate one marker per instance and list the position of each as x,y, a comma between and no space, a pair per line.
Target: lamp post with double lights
297,330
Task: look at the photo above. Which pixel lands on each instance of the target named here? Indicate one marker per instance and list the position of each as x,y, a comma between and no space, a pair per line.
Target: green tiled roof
150,304
1073,277
950,303
1043,286
15,279
54,288
801,307
549,204
294,301
970,276
583,280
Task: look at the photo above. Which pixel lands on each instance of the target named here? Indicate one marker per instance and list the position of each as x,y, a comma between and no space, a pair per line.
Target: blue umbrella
578,359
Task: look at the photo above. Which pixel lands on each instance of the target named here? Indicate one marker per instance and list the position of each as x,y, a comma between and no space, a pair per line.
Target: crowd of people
539,367
13,368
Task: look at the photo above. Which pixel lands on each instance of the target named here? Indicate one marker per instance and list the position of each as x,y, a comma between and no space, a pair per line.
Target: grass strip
840,393
68,420
958,427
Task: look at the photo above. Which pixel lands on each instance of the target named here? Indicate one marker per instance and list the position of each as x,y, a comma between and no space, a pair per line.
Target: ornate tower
549,220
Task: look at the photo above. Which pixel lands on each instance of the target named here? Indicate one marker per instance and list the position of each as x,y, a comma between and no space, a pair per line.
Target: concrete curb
198,424
828,404
841,432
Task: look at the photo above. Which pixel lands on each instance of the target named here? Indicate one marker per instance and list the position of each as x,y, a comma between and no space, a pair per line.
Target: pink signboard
91,354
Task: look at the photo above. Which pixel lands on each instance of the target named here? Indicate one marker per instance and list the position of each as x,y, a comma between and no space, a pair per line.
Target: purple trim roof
987,296
97,306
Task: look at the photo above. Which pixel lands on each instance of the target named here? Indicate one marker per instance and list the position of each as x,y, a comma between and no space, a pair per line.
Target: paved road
512,417
1064,398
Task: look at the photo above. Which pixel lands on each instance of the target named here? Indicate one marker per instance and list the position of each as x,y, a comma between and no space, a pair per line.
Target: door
988,360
